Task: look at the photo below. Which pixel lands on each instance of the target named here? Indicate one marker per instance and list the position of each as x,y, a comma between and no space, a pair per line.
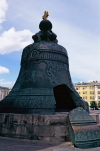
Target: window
77,88
91,92
98,87
85,97
85,92
98,97
91,97
84,88
98,92
92,88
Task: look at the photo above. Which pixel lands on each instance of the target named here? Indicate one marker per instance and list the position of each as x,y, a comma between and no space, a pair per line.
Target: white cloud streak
3,82
13,40
3,70
3,9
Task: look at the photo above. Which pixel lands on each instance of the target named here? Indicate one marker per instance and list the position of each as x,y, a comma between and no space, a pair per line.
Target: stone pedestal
51,126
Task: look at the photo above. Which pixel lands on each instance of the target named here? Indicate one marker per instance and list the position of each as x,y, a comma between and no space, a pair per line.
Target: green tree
93,105
99,104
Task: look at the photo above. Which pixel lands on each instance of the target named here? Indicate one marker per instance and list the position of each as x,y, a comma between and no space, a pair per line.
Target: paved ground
12,144
95,111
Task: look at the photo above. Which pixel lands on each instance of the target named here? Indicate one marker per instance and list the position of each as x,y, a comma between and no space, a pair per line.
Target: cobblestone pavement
12,144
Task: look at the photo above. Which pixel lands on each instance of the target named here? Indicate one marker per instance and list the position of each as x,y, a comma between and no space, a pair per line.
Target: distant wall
4,92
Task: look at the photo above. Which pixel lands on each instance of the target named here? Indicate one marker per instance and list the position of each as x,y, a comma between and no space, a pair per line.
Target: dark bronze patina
44,65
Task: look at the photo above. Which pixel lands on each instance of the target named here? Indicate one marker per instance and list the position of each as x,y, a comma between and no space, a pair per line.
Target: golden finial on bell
45,16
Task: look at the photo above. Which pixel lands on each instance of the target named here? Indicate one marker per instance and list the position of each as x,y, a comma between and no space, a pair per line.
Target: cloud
13,40
3,82
3,70
3,9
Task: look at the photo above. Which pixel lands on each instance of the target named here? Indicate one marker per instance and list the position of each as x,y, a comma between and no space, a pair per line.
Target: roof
93,83
4,87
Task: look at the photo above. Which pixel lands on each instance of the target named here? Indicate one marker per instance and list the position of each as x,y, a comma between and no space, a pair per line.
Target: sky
75,22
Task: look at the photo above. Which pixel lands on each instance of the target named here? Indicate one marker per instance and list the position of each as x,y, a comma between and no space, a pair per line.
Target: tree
99,104
93,105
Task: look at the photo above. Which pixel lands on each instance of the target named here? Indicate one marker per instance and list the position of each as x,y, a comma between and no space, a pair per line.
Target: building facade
89,91
4,91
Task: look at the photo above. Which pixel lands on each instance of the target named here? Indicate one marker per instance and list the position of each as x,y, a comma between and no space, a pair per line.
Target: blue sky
76,23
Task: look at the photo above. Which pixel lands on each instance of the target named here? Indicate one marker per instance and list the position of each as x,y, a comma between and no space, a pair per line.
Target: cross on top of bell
45,16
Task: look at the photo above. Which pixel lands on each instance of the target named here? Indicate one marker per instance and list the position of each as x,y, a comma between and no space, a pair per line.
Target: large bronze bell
44,65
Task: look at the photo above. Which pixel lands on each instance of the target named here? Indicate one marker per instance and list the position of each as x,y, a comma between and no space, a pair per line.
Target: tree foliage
99,104
93,105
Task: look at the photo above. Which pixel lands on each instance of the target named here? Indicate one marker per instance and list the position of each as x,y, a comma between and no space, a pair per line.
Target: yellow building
89,91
